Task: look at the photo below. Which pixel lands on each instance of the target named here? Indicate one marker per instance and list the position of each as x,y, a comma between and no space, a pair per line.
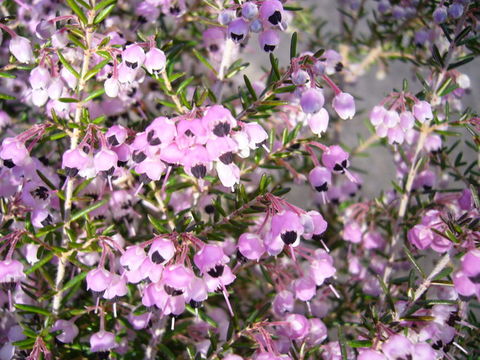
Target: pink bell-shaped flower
112,87
377,115
344,105
133,56
155,61
251,246
21,48
238,30
11,271
269,40
320,178
68,328
116,288
317,332
249,10
256,134
150,170
298,326
211,259
229,175
305,288
397,346
335,159
312,100
283,302
197,162
105,162
133,257
177,279
319,226
161,251
13,153
139,322
318,122
422,111
471,265
116,135
102,341
463,285
35,195
161,131
219,120
371,355
271,11
198,292
74,160
98,280
288,226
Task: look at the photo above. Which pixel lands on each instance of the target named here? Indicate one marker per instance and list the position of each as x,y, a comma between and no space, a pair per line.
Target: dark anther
210,209
323,187
275,18
71,172
339,67
171,291
195,304
112,140
221,129
189,133
144,179
8,163
40,192
216,272
47,221
268,48
339,168
138,156
345,163
213,48
226,158
236,37
199,171
316,237
157,258
240,257
132,65
289,237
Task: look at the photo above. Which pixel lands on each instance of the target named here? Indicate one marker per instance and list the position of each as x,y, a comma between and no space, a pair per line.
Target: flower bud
344,105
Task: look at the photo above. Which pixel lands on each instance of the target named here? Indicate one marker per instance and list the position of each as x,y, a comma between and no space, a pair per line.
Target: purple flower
344,105
21,48
102,341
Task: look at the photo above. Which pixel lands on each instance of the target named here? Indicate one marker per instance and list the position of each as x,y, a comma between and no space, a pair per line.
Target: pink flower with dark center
288,226
161,251
238,30
272,11
133,56
269,40
14,153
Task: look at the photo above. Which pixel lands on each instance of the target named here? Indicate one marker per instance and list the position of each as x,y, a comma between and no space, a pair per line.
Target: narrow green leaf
293,45
7,75
96,69
7,97
32,309
77,10
411,258
67,65
71,283
343,343
250,88
68,100
204,61
459,63
104,13
202,315
157,224
103,4
94,95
